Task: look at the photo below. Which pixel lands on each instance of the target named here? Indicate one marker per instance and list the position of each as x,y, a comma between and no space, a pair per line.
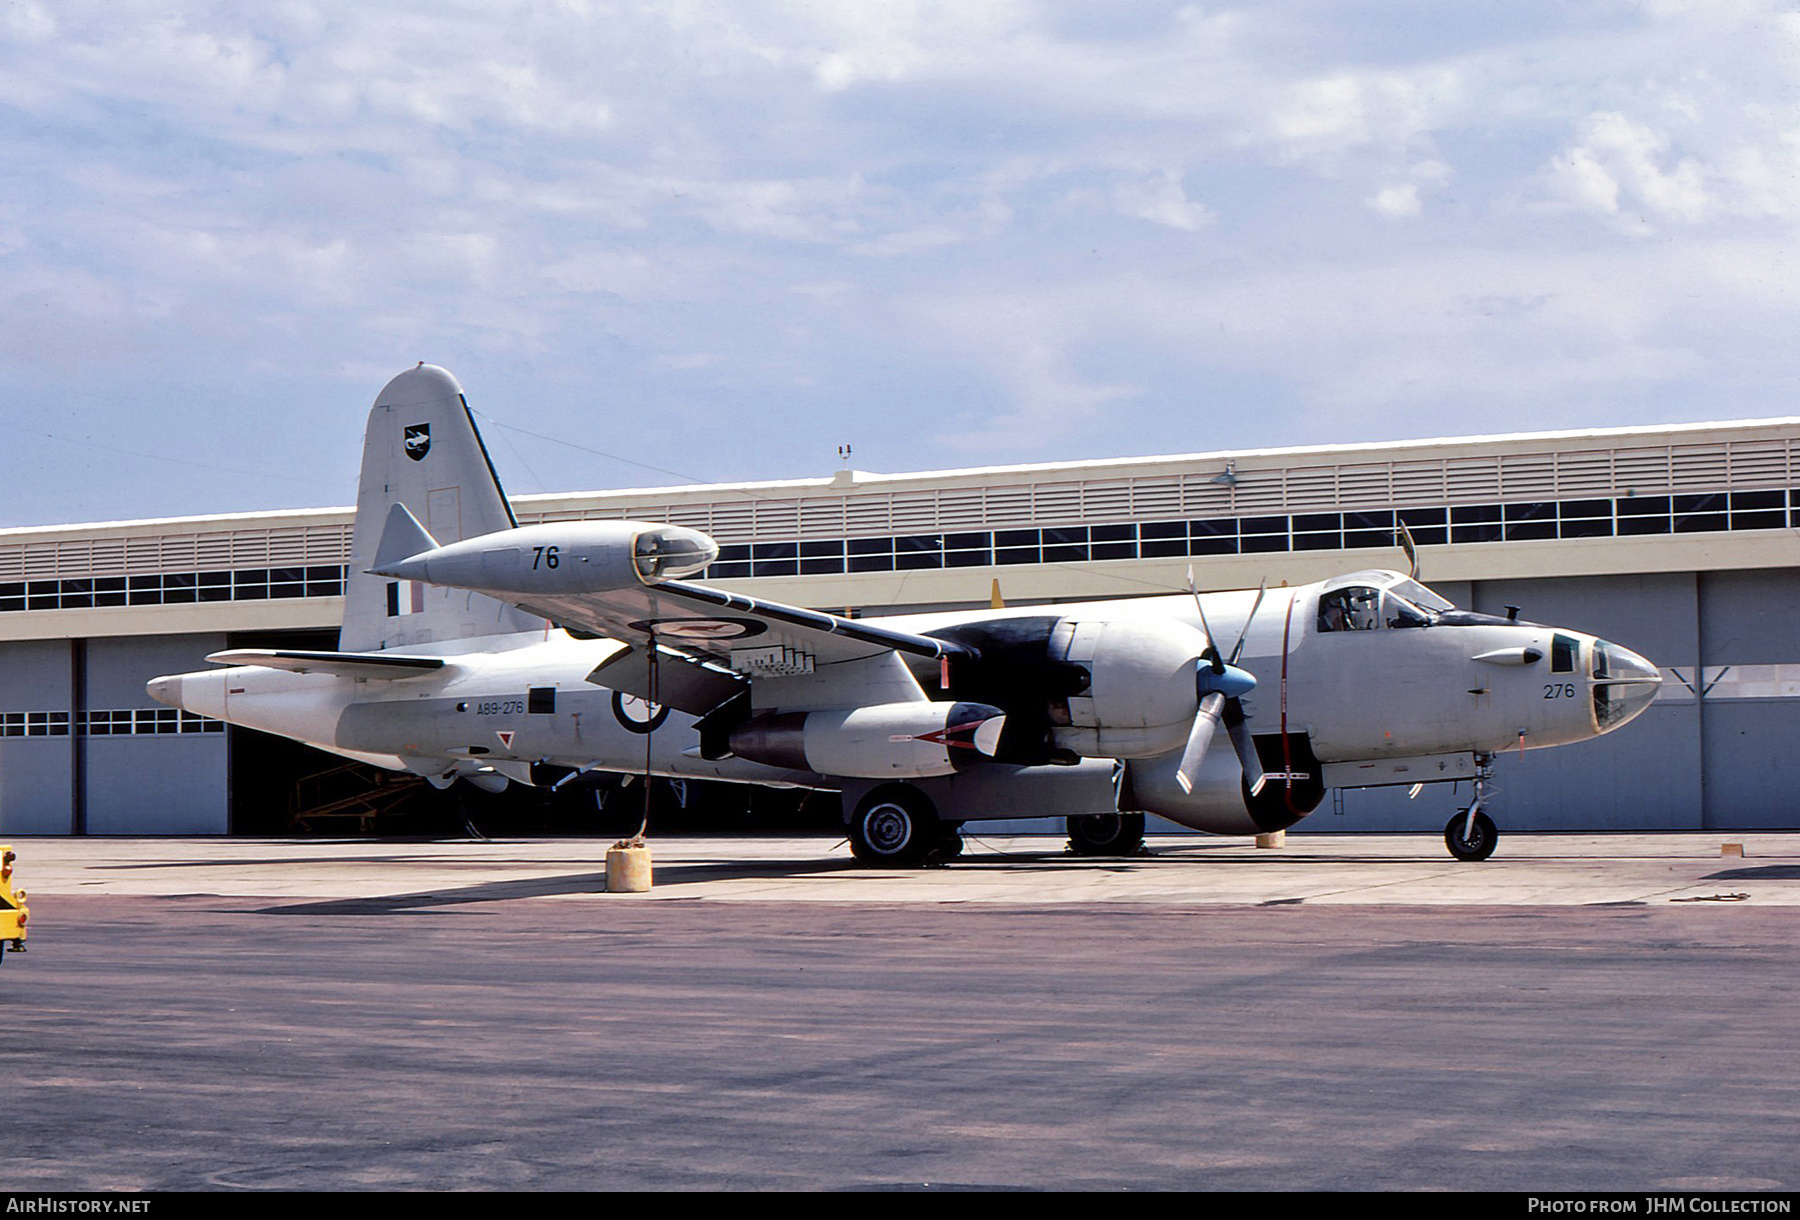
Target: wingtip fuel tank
558,558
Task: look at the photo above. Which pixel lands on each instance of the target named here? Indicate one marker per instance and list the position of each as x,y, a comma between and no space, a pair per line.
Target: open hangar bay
1678,542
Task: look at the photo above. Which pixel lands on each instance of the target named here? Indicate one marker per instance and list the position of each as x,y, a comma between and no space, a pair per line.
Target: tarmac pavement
1341,869
1348,1012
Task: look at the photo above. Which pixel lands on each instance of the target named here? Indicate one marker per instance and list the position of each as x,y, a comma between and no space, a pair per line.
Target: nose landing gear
1471,834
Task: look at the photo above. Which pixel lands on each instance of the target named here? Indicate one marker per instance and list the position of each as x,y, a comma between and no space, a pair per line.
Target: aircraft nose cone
1629,667
165,690
1624,685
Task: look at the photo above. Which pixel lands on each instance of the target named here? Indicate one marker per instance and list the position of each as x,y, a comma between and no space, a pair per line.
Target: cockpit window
1388,600
1562,654
1402,613
1602,661
1420,596
1609,709
1351,609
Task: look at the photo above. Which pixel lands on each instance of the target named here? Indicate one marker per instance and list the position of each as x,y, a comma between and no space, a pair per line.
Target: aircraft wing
621,580
705,621
711,643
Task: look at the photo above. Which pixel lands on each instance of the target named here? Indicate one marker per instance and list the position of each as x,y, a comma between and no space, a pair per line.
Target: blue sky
720,240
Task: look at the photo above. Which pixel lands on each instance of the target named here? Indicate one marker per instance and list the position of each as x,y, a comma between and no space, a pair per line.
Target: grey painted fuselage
1351,695
452,668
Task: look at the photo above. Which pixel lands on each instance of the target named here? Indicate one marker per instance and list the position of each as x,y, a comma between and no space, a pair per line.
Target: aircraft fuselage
1331,695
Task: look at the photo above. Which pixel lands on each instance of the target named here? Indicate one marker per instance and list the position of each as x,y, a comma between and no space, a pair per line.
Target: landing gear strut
1471,834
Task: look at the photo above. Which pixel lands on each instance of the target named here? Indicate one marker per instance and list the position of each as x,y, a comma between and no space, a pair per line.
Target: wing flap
685,683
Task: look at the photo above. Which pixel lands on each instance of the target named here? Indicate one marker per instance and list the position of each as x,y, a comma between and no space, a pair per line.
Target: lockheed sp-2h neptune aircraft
476,649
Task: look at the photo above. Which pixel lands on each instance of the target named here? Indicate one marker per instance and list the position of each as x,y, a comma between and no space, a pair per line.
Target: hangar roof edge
274,518
866,480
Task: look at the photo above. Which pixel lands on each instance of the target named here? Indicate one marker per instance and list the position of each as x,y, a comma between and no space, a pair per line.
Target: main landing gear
1471,834
897,826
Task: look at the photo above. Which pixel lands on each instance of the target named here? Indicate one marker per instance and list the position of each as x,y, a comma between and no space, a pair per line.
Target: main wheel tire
1480,842
1106,834
894,826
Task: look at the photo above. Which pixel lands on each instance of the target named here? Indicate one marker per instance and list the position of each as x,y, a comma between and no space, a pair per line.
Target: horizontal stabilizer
382,666
401,538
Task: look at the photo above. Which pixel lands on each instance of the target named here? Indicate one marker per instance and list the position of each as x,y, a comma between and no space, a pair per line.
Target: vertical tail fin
422,450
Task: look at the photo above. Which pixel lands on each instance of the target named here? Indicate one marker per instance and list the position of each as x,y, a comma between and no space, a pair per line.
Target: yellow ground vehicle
13,911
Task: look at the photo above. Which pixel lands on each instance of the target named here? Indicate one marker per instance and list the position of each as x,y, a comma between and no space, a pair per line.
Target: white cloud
1022,344
911,241
1621,163
1328,119
1396,201
1585,181
1162,200
29,21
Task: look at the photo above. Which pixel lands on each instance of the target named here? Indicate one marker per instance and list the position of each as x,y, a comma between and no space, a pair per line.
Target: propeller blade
1412,551
1248,619
1206,723
1239,727
1216,703
1210,656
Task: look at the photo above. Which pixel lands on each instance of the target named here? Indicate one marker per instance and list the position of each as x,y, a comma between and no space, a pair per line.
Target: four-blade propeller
1220,684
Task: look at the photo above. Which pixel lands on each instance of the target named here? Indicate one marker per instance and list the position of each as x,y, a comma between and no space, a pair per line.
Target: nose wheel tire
1106,834
895,826
1478,844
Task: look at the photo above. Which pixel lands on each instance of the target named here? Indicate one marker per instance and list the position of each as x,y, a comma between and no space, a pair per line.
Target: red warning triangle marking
505,736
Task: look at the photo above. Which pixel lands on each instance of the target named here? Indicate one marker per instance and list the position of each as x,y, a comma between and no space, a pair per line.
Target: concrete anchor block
628,868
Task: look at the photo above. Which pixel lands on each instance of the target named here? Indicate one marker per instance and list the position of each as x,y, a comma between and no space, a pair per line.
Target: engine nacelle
1220,802
881,741
1140,696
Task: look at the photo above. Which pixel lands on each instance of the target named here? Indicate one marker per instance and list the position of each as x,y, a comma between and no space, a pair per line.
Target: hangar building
1681,543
